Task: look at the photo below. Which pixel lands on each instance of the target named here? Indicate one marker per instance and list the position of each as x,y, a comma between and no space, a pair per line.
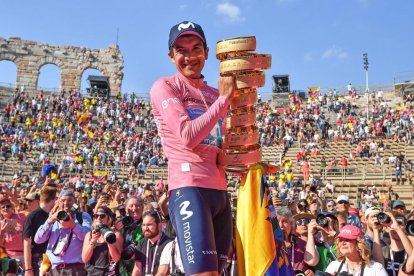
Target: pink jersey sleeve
168,102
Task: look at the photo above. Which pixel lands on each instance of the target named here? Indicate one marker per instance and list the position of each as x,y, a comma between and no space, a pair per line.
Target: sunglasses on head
342,202
304,221
101,216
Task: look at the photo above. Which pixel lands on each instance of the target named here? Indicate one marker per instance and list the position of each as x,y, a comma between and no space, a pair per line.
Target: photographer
373,234
65,232
101,247
400,246
149,249
328,227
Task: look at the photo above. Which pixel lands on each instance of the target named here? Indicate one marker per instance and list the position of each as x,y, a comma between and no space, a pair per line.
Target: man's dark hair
153,214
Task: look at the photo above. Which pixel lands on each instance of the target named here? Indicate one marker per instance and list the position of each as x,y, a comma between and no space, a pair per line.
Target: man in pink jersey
189,114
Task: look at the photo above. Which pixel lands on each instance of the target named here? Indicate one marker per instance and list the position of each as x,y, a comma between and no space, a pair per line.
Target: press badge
185,167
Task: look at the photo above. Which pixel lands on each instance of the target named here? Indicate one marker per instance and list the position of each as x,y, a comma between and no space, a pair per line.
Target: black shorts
202,221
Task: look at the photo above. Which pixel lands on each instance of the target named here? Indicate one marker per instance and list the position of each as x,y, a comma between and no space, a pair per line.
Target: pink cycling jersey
190,131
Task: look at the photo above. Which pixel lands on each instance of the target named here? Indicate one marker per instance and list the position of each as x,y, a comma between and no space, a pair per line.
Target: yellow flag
255,244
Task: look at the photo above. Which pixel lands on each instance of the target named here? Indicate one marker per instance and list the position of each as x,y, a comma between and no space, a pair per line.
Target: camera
410,227
128,252
107,233
127,221
299,273
63,216
322,220
301,207
383,218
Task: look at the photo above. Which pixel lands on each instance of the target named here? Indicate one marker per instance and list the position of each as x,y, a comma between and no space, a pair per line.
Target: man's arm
377,254
311,256
191,132
81,230
43,233
137,271
27,253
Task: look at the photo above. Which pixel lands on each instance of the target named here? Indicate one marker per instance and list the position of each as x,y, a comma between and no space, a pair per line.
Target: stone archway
30,56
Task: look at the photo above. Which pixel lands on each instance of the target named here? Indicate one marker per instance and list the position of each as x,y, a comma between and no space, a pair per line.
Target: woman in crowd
11,227
101,252
353,255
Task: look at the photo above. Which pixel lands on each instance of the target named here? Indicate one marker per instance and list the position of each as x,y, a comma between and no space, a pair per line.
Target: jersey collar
197,83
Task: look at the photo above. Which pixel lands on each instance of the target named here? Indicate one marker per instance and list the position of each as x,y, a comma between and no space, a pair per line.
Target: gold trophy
240,147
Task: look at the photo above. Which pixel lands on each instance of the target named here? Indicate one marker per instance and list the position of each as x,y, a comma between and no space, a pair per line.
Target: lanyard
153,258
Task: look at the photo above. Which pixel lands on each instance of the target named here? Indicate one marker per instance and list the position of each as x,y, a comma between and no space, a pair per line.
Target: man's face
342,205
372,219
189,55
285,224
150,228
134,209
67,202
330,206
400,210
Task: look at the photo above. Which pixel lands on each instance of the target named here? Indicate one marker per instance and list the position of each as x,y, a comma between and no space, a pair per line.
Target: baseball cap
398,203
32,196
350,232
342,197
371,210
186,28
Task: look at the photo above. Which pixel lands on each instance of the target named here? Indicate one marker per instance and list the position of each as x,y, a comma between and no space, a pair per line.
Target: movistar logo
183,210
185,26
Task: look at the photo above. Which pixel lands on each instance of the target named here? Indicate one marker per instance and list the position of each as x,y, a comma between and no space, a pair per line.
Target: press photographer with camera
373,234
400,246
148,251
65,230
102,246
353,255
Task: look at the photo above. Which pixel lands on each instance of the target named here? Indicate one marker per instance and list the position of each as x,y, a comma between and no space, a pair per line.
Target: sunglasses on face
304,221
6,206
101,216
342,202
329,206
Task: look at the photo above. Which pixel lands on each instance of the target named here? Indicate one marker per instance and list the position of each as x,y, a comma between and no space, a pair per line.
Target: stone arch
48,69
30,56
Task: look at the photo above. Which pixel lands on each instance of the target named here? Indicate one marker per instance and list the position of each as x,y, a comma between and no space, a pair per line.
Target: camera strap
173,269
153,258
58,239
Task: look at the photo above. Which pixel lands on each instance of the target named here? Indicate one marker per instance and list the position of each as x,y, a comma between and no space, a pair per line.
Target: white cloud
334,52
229,12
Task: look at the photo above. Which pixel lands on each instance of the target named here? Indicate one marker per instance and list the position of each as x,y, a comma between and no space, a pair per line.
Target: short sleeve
166,254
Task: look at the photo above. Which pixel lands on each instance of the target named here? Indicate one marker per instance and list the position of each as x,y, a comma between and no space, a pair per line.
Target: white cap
371,210
342,197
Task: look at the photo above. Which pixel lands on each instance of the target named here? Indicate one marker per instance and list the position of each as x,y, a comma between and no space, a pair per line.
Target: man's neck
46,207
156,238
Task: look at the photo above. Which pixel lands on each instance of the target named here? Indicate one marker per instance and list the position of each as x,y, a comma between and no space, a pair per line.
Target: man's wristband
29,269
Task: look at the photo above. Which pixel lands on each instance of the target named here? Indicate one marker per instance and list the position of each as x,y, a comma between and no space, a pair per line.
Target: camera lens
62,215
322,220
383,218
127,221
128,252
108,235
410,227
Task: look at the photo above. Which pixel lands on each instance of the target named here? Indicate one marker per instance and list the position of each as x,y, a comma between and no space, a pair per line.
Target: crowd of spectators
61,225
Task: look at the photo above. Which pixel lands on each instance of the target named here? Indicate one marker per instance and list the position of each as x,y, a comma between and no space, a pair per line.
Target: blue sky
315,42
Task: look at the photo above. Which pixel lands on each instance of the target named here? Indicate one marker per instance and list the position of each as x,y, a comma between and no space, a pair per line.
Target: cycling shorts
203,223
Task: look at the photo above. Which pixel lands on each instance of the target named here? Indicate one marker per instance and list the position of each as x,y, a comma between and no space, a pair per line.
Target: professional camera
383,218
322,220
107,233
301,207
127,221
63,216
410,227
128,252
